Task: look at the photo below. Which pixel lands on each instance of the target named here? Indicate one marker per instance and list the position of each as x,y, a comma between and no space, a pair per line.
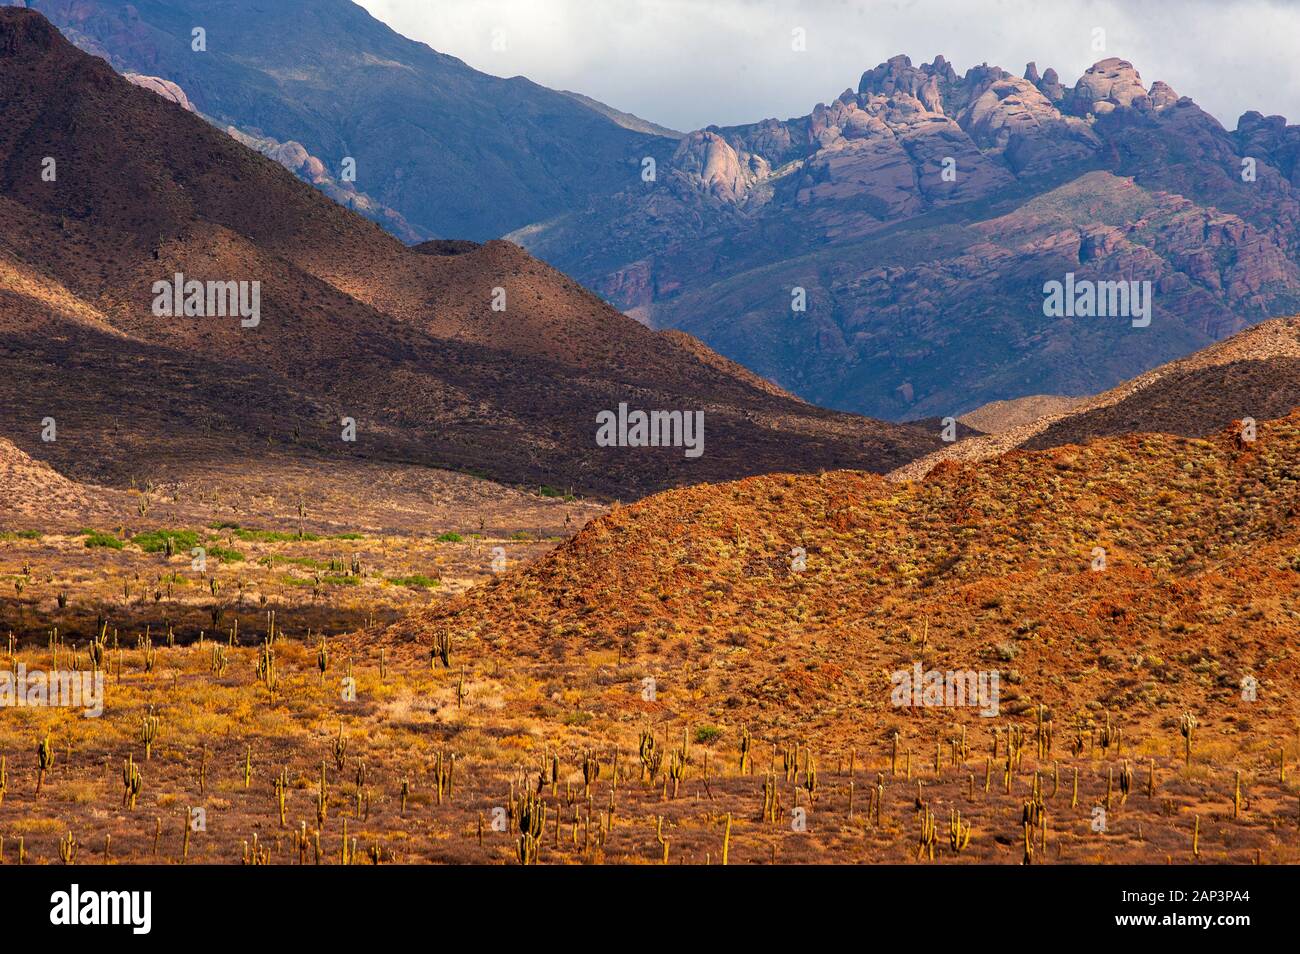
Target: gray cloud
689,63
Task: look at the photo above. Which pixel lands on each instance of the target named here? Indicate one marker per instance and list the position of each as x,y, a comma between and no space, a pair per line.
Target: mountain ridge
353,325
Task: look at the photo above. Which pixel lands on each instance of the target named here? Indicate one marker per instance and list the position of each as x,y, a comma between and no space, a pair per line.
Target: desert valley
381,567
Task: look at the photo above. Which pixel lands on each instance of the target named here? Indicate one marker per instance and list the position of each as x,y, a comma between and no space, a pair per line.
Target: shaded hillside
1254,374
352,324
459,153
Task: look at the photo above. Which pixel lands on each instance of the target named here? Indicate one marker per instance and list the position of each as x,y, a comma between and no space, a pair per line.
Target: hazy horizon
692,63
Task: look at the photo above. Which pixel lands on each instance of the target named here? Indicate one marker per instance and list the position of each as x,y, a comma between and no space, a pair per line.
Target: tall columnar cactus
44,761
1187,728
590,772
958,832
68,846
649,757
659,837
928,836
131,783
677,769
441,651
744,747
149,725
218,660
280,786
339,749
266,671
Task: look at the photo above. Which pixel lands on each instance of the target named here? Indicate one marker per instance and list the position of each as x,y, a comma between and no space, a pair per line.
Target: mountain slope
985,566
352,324
458,152
925,291
1254,374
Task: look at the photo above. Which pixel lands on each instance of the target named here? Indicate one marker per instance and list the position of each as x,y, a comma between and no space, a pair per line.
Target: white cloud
689,63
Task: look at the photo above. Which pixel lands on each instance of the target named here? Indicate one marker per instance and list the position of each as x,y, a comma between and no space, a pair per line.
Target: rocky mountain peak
1107,84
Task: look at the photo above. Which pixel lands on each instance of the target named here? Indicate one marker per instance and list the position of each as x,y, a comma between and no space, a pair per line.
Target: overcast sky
689,63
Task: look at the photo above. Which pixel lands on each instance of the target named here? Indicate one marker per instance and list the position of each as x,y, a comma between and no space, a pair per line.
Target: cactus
590,772
4,778
1108,735
441,651
131,783
810,777
744,748
266,672
340,749
1187,727
928,836
68,846
322,804
726,840
442,776
322,659
218,660
281,787
44,761
659,837
148,732
771,798
677,769
958,833
650,758
461,692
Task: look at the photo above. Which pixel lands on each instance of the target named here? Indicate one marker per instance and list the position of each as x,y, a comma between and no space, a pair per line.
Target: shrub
225,554
99,538
415,580
707,733
155,541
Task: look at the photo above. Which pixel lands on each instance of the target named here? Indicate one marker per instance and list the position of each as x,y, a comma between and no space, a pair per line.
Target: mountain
477,358
1254,374
456,152
925,292
920,216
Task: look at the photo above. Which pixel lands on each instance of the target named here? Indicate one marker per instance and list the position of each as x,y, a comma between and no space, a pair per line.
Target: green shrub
450,537
415,580
272,536
225,554
707,733
155,541
99,538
